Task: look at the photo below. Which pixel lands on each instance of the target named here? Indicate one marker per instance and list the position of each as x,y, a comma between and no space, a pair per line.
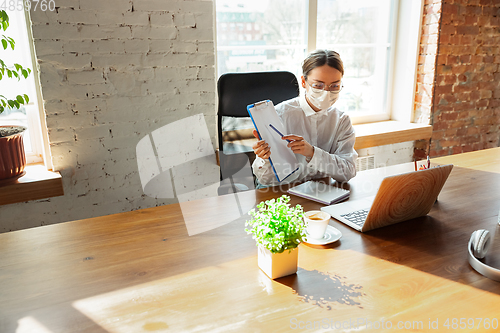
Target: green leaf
4,17
16,71
276,225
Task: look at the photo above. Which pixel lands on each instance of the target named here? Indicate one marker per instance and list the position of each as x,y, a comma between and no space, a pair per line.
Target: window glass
360,31
274,39
11,87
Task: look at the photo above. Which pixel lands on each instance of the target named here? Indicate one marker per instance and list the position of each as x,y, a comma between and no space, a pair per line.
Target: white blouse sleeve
263,171
340,164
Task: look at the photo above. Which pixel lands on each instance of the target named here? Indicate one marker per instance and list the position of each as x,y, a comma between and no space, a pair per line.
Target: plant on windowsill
278,229
12,156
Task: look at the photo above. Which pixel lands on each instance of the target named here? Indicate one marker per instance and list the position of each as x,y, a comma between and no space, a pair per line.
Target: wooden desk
140,271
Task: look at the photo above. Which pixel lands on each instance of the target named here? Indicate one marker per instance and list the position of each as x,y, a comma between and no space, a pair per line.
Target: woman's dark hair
319,58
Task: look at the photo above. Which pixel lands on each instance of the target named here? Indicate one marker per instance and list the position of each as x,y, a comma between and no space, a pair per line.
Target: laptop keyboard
358,217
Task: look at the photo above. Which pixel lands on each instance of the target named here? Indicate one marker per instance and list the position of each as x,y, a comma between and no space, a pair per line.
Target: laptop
399,198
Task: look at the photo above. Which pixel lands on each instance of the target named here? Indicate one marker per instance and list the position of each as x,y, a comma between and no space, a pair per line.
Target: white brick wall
111,72
389,154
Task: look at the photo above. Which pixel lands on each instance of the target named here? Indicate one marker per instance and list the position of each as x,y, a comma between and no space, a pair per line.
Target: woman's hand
261,148
299,145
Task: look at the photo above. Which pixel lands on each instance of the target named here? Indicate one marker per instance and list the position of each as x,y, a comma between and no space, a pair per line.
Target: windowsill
367,136
36,183
389,132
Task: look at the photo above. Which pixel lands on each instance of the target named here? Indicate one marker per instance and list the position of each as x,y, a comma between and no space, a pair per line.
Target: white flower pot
277,265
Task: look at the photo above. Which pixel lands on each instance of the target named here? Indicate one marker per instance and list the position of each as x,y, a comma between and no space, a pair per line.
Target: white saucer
331,235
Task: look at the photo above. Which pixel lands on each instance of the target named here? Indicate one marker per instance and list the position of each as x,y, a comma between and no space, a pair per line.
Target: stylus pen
428,162
274,128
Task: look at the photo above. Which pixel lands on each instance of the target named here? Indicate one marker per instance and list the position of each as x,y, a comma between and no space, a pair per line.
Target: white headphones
479,244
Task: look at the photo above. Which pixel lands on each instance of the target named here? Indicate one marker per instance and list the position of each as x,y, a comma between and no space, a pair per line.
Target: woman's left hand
299,145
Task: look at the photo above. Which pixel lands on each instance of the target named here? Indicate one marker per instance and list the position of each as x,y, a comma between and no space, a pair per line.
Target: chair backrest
237,90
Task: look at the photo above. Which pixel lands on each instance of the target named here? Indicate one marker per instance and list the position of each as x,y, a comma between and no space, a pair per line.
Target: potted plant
12,157
278,229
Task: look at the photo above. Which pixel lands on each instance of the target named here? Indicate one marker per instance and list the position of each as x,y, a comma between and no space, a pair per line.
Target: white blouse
331,134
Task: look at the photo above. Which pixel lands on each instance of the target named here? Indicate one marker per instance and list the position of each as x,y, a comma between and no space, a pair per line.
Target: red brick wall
426,70
458,82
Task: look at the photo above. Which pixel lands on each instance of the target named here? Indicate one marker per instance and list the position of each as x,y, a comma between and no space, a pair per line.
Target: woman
321,136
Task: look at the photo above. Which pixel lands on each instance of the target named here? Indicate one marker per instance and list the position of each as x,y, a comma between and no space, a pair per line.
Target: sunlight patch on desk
186,302
481,160
212,297
30,325
435,294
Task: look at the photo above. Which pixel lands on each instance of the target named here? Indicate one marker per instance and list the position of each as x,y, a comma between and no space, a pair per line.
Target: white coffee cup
316,222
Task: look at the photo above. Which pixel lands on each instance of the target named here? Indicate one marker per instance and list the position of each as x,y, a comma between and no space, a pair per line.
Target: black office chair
235,92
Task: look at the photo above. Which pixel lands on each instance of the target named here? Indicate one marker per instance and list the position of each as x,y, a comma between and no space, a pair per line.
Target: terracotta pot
12,157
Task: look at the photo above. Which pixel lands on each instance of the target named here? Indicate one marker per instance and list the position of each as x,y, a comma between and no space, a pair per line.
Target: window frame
311,46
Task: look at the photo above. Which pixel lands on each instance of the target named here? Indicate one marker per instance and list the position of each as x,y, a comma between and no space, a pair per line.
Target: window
362,31
27,115
272,46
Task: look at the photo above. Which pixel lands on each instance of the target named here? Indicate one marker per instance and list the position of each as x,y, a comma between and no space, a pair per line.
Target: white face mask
322,99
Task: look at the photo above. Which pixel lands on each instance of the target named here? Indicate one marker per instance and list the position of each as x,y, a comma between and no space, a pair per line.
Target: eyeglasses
331,87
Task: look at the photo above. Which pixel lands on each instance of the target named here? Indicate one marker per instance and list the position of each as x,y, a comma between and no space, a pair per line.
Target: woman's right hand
261,148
